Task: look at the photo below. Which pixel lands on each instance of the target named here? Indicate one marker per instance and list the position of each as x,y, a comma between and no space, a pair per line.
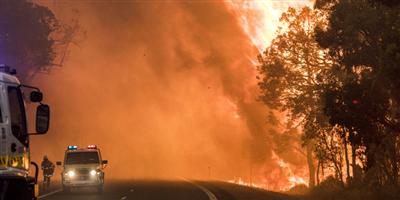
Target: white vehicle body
14,147
83,168
15,181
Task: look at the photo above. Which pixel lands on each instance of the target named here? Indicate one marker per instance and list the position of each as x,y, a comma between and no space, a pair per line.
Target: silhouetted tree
292,69
363,96
28,35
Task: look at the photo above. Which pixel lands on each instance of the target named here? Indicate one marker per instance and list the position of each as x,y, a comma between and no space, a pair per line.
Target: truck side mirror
36,96
58,163
42,118
104,162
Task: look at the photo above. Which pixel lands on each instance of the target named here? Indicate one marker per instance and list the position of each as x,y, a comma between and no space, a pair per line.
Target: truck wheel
21,190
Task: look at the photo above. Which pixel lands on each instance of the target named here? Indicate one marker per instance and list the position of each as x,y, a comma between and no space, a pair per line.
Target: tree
364,37
28,37
292,70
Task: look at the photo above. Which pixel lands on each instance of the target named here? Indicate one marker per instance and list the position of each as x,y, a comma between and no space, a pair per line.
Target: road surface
166,190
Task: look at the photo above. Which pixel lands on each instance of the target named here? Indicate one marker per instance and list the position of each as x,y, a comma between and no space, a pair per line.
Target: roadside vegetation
32,39
334,70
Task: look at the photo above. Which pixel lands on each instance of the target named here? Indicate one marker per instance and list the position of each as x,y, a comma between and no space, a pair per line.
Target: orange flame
292,177
260,20
240,181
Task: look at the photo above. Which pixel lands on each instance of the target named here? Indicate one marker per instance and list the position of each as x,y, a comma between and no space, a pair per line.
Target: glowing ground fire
260,20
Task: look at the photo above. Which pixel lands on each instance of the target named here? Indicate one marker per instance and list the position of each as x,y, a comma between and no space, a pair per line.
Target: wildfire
240,181
292,177
260,20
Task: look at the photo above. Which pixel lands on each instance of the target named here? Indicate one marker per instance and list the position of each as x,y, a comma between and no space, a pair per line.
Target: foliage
292,74
289,66
364,37
335,71
329,150
30,36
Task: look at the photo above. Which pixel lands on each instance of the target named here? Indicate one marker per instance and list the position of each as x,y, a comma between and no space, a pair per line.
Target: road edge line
210,195
49,194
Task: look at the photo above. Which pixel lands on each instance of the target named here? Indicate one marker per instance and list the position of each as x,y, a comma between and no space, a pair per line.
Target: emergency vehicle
15,179
83,167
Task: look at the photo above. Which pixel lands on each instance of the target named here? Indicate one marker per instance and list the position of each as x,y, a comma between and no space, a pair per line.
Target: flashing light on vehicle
93,172
72,147
92,146
7,69
71,174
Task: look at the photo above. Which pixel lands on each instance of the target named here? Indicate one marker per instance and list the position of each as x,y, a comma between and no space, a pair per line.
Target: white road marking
123,198
131,190
49,194
210,195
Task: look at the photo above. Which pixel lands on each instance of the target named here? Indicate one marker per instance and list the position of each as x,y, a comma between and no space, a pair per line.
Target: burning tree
292,70
336,73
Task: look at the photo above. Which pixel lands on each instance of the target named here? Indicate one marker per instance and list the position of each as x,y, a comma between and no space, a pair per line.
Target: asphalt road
166,190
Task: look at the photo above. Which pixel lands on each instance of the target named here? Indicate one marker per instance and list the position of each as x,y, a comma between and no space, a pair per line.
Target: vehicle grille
83,171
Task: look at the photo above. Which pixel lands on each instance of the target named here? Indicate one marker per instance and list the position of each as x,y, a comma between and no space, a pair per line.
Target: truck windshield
17,115
82,158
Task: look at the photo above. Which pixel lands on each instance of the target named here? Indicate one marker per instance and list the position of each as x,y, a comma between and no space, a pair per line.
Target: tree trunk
346,154
353,162
339,173
370,154
394,162
318,166
337,163
310,162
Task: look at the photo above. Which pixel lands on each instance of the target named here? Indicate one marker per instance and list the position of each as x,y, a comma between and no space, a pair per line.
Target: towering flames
168,90
260,20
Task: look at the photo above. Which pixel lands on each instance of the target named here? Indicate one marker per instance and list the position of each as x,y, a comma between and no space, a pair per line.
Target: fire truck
16,181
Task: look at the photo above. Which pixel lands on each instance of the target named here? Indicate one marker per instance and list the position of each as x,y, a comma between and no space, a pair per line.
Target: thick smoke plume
165,90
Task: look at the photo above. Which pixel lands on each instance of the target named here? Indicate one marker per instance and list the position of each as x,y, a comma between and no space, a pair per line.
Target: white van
83,167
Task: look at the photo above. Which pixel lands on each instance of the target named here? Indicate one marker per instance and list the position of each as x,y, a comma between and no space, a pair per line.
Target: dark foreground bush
300,189
332,189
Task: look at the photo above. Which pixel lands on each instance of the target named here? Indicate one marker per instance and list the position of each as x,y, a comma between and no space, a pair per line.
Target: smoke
165,90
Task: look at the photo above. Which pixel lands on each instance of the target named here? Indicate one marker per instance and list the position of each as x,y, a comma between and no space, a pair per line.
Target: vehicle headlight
93,172
71,173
